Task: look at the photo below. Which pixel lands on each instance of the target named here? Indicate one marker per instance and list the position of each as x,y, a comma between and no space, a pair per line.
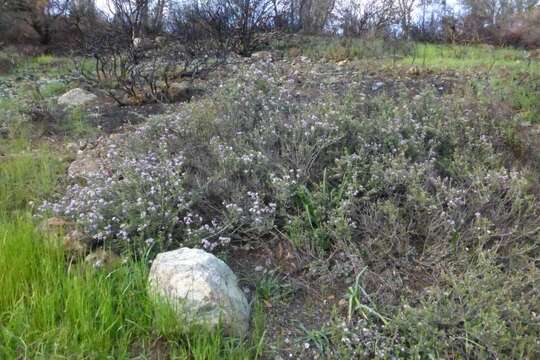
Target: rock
534,54
414,71
55,225
143,43
76,243
160,41
84,166
72,147
201,287
6,66
182,91
377,86
102,259
266,56
77,97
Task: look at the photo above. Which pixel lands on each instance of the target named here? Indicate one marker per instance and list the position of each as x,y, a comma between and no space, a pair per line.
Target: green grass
53,89
272,288
431,56
345,48
76,124
15,114
45,64
26,176
460,57
50,308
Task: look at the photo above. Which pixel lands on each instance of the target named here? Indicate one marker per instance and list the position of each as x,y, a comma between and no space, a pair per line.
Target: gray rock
160,41
377,86
266,56
76,242
201,287
84,166
143,43
77,97
103,259
4,132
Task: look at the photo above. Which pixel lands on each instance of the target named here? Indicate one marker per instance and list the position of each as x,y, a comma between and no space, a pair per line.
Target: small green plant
273,288
318,337
307,230
356,295
53,88
77,124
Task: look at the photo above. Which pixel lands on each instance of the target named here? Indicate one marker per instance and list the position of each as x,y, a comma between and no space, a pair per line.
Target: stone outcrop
201,288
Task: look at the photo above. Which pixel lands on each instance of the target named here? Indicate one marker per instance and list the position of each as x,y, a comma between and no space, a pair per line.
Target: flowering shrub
398,177
139,202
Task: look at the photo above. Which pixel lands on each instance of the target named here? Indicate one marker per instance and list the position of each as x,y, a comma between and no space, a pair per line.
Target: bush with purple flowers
396,176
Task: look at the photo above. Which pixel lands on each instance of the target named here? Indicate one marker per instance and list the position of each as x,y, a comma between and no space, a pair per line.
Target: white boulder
77,97
142,43
201,287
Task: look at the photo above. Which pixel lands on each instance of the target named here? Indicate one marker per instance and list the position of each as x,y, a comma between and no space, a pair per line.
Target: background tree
314,14
485,20
359,18
40,15
405,10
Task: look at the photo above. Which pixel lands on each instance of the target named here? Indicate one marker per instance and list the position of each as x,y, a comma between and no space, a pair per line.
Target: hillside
375,200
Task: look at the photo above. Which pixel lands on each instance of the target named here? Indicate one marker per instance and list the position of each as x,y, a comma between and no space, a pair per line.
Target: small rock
377,86
201,287
84,166
143,43
414,71
77,97
55,225
102,259
267,56
72,147
160,41
75,242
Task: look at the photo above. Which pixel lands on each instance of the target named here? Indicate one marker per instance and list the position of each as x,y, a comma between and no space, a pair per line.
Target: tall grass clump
52,308
27,176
